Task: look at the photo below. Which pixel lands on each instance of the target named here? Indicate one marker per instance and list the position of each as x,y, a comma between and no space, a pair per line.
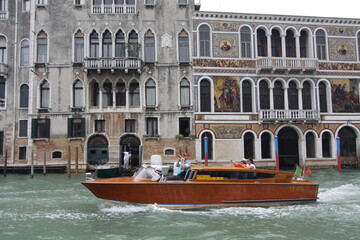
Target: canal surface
57,207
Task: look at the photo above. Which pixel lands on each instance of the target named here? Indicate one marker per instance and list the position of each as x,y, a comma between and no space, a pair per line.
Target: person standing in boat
250,164
241,164
177,166
185,166
127,156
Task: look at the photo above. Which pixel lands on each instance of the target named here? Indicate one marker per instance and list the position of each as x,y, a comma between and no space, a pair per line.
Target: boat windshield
145,173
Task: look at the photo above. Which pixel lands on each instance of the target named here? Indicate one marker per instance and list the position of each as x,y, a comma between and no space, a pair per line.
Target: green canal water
57,207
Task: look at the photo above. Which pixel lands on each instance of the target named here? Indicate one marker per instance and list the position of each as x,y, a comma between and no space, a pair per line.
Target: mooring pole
5,163
44,167
69,162
32,165
338,153
77,161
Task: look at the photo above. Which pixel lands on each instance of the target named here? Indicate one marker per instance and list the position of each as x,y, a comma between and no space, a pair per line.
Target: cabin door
130,143
288,148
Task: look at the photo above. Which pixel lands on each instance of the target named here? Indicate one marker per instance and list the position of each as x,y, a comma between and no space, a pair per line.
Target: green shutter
33,128
82,127
47,122
69,127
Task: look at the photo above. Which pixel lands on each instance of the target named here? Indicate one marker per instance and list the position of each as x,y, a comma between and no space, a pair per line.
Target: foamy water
55,207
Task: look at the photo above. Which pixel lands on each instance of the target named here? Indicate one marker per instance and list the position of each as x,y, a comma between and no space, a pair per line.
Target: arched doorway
347,146
97,150
210,145
130,143
288,148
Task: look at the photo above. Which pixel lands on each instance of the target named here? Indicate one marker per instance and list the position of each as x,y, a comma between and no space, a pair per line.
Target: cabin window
233,175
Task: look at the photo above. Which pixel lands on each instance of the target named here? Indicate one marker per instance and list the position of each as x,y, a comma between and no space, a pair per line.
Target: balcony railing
112,64
3,70
114,9
289,115
286,64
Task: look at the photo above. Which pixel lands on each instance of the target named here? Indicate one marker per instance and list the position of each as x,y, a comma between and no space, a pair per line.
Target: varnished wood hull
195,194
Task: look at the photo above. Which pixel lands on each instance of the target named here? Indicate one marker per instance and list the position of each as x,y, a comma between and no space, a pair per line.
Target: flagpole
338,153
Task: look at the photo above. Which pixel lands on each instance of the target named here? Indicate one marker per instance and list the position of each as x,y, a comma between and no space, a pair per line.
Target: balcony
114,9
286,65
3,15
3,70
299,116
112,64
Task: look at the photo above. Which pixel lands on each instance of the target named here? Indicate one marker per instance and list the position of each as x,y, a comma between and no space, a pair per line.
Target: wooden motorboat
206,187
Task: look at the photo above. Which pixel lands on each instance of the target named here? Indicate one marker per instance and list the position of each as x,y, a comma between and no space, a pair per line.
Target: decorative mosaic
220,25
342,49
339,66
226,45
341,31
228,131
224,63
226,94
344,93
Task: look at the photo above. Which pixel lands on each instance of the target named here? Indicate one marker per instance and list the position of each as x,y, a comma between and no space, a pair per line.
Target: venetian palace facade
87,80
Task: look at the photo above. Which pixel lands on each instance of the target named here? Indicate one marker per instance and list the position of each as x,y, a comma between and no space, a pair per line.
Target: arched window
24,53
321,45
204,39
3,50
24,96
290,44
262,45
245,39
293,96
306,96
107,94
210,146
42,45
347,142
310,145
45,94
184,92
94,93
246,96
326,145
276,43
78,94
249,145
149,47
205,96
94,45
79,47
133,46
264,95
120,44
134,94
265,145
150,93
278,95
323,97
120,94
107,44
183,41
304,44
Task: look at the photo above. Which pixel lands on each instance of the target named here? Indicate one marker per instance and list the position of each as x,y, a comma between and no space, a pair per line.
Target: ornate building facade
86,81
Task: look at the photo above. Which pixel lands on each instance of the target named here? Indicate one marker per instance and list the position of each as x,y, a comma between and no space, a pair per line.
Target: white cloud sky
316,8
